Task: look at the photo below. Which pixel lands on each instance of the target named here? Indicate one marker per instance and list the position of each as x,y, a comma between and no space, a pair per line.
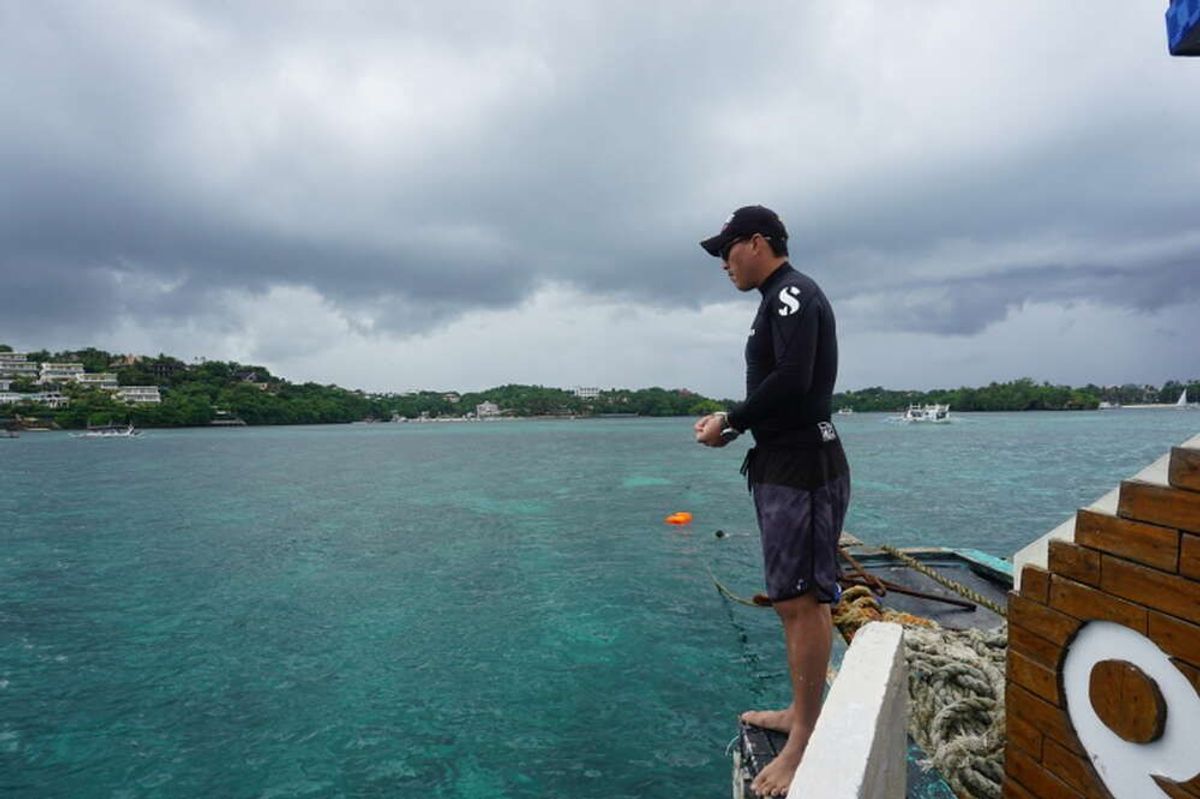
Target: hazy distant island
78,388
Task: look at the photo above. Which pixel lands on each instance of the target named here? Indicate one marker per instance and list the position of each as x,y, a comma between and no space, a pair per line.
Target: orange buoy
682,517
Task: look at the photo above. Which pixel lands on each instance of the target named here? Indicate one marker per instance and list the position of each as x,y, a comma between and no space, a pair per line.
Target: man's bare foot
778,720
776,777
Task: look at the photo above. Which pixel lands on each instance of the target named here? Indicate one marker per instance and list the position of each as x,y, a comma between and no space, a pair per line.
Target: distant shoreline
199,393
452,420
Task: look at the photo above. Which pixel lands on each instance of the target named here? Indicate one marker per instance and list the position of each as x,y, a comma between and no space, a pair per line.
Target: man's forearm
771,395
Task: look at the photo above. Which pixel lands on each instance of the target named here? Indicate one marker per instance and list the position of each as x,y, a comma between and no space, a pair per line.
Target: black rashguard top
791,360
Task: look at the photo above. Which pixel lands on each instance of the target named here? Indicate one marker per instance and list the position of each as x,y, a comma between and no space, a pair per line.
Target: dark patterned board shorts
800,522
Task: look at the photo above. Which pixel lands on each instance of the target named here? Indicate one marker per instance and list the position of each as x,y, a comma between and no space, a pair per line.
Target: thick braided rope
956,705
956,693
859,606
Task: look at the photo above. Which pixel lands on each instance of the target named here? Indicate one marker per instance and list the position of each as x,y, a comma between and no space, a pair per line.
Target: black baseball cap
746,221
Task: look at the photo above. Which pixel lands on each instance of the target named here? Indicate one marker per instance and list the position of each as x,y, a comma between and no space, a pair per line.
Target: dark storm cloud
412,163
1103,217
966,306
104,174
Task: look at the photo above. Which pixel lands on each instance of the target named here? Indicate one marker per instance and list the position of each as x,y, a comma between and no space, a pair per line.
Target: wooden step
1184,470
1162,505
1145,543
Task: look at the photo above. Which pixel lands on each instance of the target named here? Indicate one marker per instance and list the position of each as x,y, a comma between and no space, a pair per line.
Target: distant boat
226,418
1180,404
109,431
937,414
1108,406
845,411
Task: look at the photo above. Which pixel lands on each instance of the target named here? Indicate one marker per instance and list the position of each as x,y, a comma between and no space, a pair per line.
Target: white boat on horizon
1183,404
936,414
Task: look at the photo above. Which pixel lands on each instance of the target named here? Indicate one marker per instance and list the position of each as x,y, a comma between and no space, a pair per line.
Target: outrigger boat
952,589
109,431
938,414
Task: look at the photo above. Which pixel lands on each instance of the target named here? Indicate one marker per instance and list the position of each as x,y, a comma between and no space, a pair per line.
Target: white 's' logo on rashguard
789,298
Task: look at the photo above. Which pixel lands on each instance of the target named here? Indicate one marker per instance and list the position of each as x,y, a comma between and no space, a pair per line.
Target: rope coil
955,691
956,705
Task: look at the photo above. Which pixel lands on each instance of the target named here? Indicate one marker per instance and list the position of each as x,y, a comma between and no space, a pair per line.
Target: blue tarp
1183,27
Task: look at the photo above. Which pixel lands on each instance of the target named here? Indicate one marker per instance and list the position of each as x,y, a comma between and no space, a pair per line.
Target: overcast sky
393,196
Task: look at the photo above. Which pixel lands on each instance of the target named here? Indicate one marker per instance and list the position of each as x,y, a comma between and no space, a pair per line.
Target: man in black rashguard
797,470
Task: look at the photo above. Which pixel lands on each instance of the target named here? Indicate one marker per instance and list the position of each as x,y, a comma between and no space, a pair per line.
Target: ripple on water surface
458,610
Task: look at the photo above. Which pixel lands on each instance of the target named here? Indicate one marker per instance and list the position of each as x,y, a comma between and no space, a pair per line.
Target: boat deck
757,747
975,570
989,576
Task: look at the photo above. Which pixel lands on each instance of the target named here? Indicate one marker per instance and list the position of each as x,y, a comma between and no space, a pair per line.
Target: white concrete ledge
859,747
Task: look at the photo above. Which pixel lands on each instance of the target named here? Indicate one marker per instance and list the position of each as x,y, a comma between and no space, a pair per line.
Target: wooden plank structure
1128,570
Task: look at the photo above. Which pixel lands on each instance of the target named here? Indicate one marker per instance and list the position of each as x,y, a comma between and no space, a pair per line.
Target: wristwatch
727,431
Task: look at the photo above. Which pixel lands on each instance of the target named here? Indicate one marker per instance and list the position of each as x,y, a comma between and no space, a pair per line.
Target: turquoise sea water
452,610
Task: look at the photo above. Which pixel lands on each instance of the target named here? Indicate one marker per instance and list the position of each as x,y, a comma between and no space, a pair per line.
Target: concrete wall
859,746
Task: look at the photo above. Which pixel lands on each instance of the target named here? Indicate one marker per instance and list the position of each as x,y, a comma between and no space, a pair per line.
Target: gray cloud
414,164
969,305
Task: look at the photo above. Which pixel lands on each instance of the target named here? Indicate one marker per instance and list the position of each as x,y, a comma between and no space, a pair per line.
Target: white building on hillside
139,395
60,372
16,364
586,393
487,410
105,380
51,399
